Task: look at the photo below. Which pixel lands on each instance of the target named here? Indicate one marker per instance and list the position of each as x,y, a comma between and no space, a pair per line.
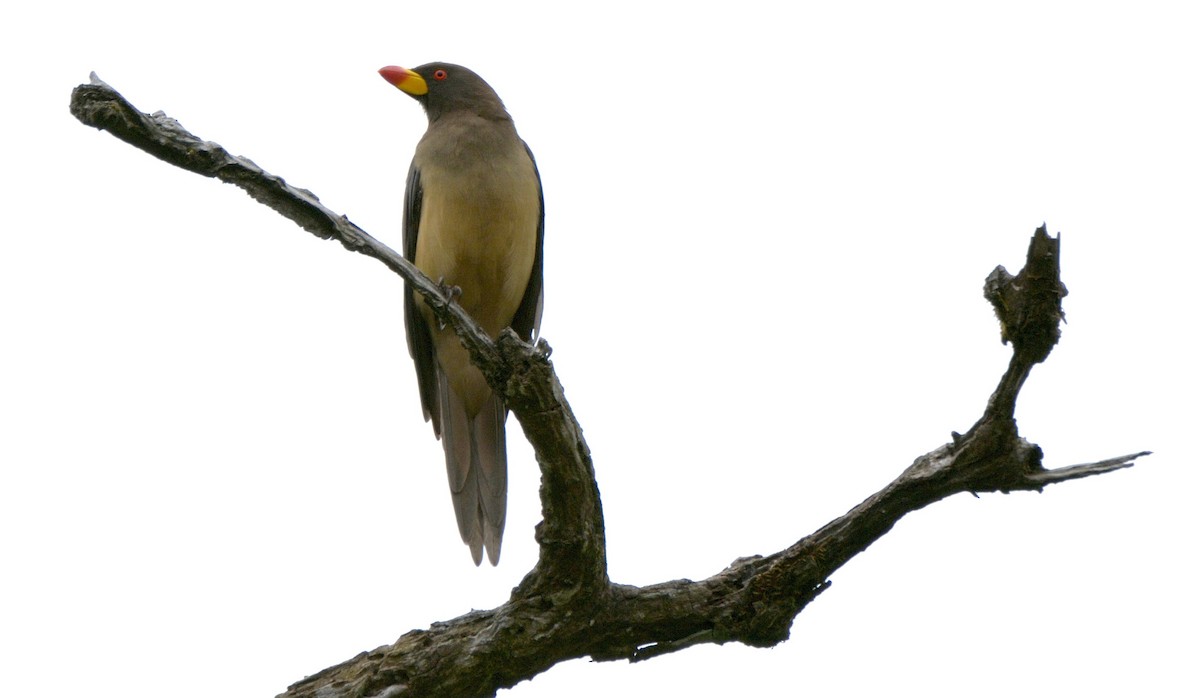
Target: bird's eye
439,74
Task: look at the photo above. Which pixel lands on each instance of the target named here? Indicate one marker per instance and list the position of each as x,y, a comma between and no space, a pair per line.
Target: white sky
767,231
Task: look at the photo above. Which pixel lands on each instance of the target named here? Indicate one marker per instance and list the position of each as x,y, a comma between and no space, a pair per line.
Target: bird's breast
478,229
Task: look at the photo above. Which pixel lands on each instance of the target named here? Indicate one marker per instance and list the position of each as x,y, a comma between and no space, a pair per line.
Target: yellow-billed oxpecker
473,219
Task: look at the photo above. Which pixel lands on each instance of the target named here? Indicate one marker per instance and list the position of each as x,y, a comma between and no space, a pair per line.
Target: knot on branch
1029,305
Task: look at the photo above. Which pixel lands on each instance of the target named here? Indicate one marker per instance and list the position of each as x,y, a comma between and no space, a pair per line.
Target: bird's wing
528,318
420,343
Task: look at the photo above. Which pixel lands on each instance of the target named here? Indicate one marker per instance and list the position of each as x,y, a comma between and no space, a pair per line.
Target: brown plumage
473,219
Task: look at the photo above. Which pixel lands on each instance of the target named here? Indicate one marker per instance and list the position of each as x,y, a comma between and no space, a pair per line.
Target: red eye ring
439,75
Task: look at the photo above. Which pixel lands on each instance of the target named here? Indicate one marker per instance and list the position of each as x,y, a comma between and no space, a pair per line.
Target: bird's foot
450,292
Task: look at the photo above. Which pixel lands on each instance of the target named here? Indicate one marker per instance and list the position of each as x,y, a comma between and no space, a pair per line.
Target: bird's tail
476,465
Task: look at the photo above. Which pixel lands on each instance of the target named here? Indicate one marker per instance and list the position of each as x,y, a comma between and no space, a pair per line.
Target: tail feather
464,487
490,467
476,466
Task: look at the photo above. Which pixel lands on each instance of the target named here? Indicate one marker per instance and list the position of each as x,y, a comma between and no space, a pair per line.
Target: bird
473,222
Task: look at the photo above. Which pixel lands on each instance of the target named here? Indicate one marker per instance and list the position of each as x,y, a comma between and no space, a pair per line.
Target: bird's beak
405,79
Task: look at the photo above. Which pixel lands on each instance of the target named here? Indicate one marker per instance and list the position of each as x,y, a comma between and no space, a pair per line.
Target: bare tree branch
566,607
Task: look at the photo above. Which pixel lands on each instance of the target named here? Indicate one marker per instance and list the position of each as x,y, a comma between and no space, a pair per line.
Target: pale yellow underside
478,231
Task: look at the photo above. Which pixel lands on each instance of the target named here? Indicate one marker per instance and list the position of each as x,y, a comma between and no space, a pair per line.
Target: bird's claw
450,292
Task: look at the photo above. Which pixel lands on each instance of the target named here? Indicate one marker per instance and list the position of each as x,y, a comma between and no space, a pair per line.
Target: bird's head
443,88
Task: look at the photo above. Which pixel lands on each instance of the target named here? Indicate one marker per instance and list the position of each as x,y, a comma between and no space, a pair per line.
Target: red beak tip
393,74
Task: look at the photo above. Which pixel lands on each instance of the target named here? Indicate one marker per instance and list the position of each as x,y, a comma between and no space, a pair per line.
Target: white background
767,232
